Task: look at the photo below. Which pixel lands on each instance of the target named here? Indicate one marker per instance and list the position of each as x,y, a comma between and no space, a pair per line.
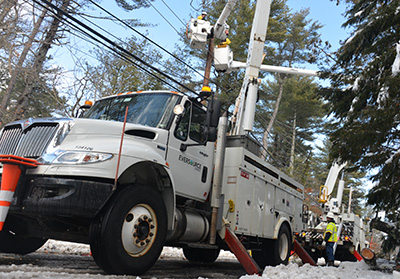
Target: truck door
192,168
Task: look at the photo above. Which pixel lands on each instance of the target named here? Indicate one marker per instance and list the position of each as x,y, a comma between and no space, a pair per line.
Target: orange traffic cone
9,182
11,172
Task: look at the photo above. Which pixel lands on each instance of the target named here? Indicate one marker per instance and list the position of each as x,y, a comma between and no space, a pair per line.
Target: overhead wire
123,42
114,47
280,158
145,37
170,24
173,12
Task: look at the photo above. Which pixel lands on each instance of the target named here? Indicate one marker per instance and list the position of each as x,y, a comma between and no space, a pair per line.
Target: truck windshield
148,109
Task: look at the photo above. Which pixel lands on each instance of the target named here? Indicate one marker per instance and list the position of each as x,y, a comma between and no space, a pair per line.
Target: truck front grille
29,143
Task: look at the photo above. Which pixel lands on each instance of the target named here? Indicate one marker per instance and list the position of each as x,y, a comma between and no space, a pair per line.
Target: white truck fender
169,200
278,226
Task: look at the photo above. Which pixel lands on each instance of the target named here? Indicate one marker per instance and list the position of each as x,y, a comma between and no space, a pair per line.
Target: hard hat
204,13
330,215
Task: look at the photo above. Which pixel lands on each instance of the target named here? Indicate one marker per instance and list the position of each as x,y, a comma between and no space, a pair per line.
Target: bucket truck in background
351,228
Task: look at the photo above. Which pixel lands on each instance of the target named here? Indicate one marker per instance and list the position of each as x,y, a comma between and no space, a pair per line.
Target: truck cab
126,140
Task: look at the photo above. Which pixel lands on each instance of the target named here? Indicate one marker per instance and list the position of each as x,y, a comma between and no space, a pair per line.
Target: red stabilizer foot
241,254
358,256
303,254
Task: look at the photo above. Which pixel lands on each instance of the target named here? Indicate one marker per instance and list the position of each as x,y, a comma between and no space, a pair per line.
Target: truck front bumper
38,196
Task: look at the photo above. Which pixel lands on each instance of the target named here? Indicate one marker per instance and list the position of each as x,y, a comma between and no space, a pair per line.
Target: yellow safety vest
333,230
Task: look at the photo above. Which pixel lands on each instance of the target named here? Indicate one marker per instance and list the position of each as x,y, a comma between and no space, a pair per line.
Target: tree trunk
369,256
291,166
38,63
281,81
18,68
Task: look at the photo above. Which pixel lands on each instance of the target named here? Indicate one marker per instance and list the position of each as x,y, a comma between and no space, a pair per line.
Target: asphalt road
38,263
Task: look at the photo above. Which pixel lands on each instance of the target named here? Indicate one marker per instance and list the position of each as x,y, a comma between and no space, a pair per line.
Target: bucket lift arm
327,189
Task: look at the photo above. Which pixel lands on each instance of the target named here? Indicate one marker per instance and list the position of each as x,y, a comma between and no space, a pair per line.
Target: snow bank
344,271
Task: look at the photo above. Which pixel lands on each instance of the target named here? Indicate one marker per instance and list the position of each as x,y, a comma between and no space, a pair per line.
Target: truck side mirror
212,134
213,113
82,109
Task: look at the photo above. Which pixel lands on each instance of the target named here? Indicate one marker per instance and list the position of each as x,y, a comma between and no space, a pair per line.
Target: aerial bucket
12,169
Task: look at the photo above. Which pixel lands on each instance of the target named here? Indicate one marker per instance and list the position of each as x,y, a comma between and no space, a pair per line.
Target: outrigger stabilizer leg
239,250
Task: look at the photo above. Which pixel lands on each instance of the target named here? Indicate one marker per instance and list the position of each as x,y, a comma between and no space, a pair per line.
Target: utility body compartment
258,197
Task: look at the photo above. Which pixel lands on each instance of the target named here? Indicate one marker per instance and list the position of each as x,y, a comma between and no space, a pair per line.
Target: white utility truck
351,228
161,195
143,170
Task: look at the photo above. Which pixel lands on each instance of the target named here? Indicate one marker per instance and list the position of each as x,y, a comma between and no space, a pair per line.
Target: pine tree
364,96
301,106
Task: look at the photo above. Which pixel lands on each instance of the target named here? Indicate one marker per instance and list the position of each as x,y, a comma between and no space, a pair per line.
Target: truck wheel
13,243
200,255
282,246
274,252
127,237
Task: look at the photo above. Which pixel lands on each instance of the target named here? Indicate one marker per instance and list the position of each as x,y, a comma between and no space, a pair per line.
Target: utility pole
210,57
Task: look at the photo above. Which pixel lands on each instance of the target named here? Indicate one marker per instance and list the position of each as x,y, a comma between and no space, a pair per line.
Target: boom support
248,93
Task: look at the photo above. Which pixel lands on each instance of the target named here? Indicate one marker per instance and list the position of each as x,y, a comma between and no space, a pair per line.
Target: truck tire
127,237
282,246
274,252
200,254
13,243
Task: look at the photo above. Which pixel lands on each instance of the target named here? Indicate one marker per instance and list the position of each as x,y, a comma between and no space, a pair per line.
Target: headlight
81,157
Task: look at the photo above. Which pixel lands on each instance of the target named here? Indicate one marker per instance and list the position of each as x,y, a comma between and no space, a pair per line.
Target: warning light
206,89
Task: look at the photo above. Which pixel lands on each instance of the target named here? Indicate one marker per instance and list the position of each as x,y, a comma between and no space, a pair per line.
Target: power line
170,24
173,12
112,35
144,36
113,46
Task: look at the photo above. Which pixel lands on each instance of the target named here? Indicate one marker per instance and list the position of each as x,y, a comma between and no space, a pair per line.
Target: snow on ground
292,270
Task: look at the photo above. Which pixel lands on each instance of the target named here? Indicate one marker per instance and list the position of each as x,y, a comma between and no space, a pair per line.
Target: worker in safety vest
202,16
330,238
225,41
